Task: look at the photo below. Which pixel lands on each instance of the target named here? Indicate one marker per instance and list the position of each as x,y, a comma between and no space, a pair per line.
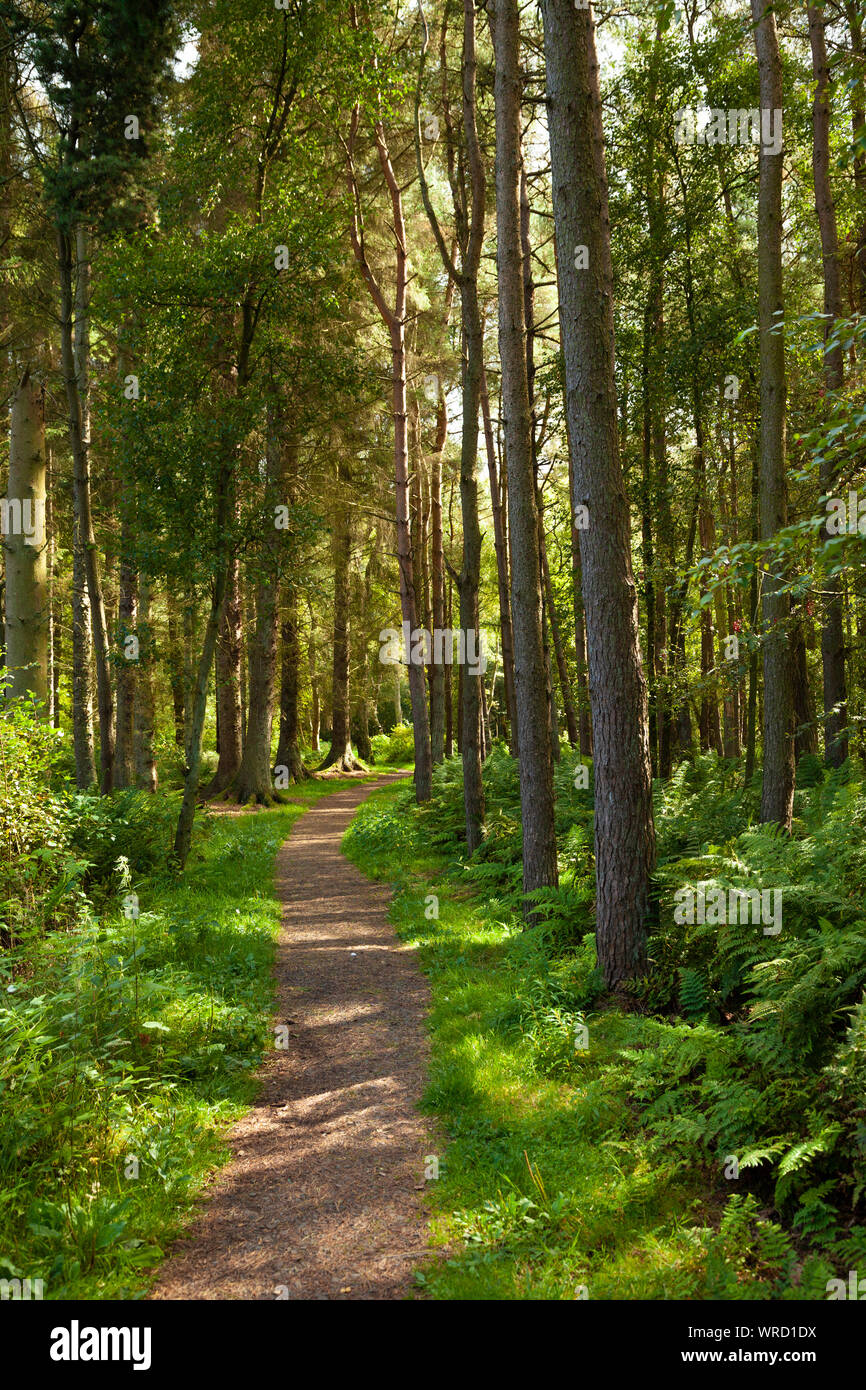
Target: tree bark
288,748
26,546
805,740
75,347
340,755
395,321
777,794
437,671
198,707
832,633
502,582
361,718
127,668
145,763
624,833
647,548
533,726
853,13
227,661
174,661
752,698
82,666
559,651
315,708
253,780
469,197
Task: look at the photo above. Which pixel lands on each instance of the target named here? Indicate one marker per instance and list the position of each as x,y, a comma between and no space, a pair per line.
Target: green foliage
99,61
751,1048
40,869
127,1045
397,747
126,834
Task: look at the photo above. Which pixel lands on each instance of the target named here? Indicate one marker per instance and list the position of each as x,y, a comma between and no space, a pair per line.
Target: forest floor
322,1197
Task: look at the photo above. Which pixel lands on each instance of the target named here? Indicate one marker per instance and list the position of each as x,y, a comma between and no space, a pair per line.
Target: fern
693,993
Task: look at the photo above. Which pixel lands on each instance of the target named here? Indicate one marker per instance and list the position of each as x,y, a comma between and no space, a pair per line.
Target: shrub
131,826
39,868
396,747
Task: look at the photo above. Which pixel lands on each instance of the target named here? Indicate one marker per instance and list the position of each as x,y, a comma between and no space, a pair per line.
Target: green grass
126,1048
551,1187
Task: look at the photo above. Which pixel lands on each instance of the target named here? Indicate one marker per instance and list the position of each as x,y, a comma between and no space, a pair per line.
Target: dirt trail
323,1194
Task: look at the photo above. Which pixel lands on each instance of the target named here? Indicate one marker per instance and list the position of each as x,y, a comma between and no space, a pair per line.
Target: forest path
322,1196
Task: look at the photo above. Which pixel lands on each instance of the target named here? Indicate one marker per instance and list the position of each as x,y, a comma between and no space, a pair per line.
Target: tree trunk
26,547
501,549
54,606
398,705
288,748
361,721
228,685
710,726
777,794
832,635
529,324
75,347
315,707
449,684
395,321
198,707
805,740
853,13
437,671
127,664
585,725
82,667
469,197
647,541
559,650
533,727
752,699
190,666
624,833
253,780
340,755
145,763
175,668
470,573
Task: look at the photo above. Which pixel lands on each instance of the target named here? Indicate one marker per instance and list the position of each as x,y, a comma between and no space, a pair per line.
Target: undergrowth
709,1145
134,1008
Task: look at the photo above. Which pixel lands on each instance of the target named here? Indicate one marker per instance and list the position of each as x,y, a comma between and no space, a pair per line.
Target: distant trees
271,308
26,547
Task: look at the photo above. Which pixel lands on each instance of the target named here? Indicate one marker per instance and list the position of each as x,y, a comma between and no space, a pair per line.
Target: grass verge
552,1185
127,1046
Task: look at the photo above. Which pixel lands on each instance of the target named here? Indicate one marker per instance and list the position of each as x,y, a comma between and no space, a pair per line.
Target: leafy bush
40,870
132,828
397,747
753,1046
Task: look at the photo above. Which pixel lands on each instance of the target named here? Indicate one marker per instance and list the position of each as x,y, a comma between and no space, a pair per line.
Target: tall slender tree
533,725
624,834
777,793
